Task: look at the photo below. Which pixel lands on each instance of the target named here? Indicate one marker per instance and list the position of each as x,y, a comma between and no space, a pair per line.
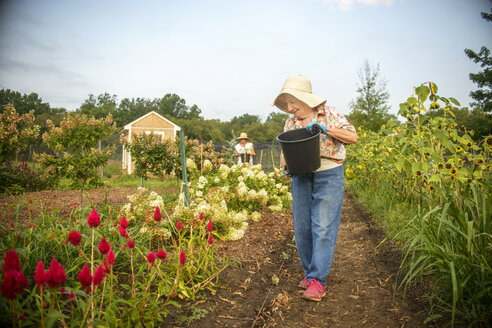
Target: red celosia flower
131,243
74,238
110,258
103,246
161,254
123,232
201,215
75,206
151,258
182,258
210,239
12,261
71,297
98,275
14,282
209,225
124,222
23,316
157,214
85,276
62,290
56,274
93,219
40,275
178,225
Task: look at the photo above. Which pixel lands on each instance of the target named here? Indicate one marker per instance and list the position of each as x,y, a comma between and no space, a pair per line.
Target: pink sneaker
304,283
315,291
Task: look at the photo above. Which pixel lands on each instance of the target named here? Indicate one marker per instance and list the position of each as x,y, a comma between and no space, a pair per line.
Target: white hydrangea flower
240,178
207,165
216,180
255,216
190,164
199,194
202,180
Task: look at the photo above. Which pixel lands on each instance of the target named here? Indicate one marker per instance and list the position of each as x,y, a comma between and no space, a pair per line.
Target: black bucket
301,150
245,158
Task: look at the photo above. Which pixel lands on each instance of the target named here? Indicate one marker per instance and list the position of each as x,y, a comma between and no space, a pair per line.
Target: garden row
431,184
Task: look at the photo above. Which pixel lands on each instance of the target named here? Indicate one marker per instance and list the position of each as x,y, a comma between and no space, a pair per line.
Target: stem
133,275
41,309
92,274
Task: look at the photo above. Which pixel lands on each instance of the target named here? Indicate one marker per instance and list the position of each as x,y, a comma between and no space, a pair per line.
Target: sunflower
489,141
440,166
419,173
430,187
448,166
459,149
453,171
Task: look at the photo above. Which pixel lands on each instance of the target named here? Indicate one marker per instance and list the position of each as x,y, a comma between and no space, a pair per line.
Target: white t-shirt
244,149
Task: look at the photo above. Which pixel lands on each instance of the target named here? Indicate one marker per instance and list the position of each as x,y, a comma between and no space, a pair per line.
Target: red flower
99,275
157,214
23,316
40,275
103,246
123,232
74,238
209,225
210,239
182,258
56,274
161,254
110,258
71,297
93,219
151,258
131,243
85,276
178,225
75,206
201,215
62,290
14,282
12,261
124,222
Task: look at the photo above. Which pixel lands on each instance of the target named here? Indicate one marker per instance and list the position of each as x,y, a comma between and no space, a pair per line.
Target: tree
370,108
483,79
74,154
16,131
23,103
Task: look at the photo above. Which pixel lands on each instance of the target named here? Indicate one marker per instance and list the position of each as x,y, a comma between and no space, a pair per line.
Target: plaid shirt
329,117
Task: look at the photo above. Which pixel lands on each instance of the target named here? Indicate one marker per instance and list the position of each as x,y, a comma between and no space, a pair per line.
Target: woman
316,197
244,147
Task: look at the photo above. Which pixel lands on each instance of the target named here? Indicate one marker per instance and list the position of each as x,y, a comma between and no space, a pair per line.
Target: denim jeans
317,206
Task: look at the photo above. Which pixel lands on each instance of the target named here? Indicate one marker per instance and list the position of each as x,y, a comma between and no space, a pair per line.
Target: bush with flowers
233,195
95,268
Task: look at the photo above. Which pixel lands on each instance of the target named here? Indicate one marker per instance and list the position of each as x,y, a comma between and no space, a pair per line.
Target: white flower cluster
141,205
230,196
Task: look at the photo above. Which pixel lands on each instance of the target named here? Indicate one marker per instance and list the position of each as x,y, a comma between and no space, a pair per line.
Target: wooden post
100,168
183,163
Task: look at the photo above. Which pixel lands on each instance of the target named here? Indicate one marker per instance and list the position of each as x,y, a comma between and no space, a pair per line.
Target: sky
232,57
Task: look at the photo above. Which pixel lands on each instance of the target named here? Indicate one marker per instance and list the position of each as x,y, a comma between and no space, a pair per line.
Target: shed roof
127,127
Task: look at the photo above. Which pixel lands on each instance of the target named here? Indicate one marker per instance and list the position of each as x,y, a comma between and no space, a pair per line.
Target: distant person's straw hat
299,87
243,135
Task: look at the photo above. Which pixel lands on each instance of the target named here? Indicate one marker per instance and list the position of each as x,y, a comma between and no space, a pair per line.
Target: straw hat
299,87
243,135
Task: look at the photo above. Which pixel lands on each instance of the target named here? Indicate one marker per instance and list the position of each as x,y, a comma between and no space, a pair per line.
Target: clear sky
232,57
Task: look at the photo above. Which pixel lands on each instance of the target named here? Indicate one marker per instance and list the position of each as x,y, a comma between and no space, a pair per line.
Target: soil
360,287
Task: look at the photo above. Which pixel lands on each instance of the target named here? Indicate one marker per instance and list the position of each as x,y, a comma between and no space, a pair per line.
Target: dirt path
359,288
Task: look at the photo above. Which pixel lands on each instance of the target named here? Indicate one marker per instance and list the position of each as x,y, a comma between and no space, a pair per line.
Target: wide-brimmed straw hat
243,135
299,87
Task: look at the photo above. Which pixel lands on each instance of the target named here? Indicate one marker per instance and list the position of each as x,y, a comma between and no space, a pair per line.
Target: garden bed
359,291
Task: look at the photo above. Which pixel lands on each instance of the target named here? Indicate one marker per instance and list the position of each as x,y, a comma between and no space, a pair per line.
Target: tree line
171,106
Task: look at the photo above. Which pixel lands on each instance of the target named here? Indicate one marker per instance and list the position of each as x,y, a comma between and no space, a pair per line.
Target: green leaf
422,92
399,164
454,101
412,101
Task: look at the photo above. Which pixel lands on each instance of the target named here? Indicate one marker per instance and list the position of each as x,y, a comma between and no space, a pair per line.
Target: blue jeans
317,206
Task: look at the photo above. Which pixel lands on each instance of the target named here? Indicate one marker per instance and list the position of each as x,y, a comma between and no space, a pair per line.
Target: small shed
149,123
